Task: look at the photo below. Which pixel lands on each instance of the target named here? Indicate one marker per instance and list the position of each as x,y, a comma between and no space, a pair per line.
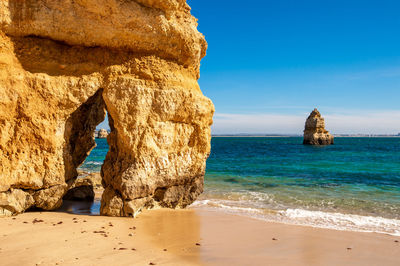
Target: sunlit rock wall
63,64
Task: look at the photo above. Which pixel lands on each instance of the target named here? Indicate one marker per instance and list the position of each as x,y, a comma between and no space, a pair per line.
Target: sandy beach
183,237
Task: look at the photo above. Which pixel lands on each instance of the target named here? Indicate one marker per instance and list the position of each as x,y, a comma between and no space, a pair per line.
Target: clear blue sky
277,60
269,63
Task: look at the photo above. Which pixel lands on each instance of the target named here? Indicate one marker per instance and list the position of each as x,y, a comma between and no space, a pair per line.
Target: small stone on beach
349,248
122,249
396,241
152,263
164,249
133,249
60,222
275,239
130,235
198,244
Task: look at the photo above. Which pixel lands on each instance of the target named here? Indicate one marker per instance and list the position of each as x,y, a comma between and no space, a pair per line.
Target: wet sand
183,237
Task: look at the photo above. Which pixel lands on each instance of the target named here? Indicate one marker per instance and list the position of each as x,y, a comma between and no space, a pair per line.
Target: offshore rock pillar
315,132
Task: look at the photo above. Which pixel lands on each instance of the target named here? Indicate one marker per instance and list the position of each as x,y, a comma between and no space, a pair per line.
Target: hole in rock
86,132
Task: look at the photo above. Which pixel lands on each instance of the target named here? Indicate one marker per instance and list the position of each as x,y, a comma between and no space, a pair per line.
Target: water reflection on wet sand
80,207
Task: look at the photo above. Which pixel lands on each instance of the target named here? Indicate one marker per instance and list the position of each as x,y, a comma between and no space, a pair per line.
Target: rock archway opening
87,130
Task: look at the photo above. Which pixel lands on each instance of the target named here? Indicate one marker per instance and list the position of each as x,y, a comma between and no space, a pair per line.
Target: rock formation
315,132
82,189
63,64
102,134
95,179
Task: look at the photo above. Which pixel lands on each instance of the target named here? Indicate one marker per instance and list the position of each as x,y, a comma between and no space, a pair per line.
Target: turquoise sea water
354,184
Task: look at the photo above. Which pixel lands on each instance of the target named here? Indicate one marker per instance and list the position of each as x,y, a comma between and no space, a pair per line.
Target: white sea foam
342,221
227,207
320,219
93,163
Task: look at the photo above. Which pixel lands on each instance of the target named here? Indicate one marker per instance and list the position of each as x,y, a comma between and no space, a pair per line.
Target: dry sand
183,237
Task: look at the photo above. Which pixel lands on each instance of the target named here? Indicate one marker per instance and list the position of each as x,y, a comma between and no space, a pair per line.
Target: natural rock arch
62,65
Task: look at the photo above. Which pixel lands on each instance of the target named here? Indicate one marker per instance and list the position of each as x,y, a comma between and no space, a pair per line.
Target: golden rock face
63,64
315,132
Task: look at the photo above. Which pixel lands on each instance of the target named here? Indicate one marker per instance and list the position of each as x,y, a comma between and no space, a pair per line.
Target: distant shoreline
253,136
299,136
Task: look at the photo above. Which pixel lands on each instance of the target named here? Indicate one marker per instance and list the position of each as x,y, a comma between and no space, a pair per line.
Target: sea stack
102,134
64,65
315,132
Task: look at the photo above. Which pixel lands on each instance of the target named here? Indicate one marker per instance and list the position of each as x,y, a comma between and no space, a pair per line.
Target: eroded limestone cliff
63,64
315,132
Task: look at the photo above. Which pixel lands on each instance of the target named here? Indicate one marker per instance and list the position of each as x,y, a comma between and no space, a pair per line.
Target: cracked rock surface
64,64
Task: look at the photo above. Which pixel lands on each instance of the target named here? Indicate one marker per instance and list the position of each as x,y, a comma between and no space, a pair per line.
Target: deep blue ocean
354,184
